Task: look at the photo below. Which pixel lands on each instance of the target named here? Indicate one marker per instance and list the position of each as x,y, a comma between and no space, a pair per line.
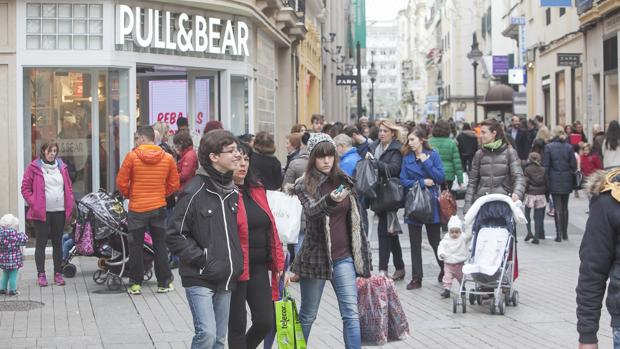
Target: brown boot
398,275
414,284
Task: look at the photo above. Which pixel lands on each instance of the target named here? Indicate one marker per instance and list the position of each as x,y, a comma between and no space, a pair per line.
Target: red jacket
277,254
590,164
187,165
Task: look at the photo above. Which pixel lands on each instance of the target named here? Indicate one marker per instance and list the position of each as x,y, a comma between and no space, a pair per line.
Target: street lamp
372,73
439,83
474,57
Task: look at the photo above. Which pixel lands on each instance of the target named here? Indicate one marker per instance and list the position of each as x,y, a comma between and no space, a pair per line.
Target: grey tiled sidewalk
83,315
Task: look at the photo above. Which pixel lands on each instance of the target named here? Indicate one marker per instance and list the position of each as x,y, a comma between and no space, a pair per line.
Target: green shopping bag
289,334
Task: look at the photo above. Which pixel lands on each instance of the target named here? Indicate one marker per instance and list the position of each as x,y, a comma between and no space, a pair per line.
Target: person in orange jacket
148,175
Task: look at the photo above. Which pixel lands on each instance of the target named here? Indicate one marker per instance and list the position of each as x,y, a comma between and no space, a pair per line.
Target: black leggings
388,244
51,229
415,238
257,293
561,214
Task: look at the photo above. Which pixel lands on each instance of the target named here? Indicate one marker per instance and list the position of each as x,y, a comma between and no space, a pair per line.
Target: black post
438,103
475,64
372,99
359,81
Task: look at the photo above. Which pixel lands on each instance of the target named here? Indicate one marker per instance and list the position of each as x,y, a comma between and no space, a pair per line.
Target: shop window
62,26
87,113
239,103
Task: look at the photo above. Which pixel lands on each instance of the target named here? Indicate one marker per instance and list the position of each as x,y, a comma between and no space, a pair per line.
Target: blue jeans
67,245
616,331
300,240
343,282
210,312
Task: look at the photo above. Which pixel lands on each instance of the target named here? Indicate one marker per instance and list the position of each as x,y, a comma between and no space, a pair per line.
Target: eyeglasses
232,151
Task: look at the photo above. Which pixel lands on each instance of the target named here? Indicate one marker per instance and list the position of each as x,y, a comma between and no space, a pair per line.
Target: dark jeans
257,293
415,238
51,229
153,222
467,160
561,214
388,244
539,222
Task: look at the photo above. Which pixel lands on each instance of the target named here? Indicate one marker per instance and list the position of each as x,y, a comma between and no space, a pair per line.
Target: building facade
87,74
382,49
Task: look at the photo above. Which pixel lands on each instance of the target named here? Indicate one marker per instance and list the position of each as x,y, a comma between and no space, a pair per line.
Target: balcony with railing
291,18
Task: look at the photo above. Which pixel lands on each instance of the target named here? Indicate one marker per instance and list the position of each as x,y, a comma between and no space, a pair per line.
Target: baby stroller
101,231
492,266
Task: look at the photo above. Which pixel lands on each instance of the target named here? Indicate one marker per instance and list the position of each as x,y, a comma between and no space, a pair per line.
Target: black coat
468,143
521,143
268,170
390,161
203,233
560,164
536,179
600,260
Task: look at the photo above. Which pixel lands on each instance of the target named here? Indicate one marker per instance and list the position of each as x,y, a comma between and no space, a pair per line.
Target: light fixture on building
474,56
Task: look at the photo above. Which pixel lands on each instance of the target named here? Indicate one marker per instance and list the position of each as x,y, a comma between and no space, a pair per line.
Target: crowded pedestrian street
85,315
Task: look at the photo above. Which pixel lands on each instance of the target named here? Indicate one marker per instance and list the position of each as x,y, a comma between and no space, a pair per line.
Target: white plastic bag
287,211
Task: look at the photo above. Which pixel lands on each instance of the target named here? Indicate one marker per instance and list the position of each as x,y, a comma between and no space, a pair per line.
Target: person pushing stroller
453,250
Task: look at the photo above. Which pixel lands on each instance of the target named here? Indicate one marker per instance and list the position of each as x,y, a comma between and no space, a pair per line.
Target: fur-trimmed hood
604,181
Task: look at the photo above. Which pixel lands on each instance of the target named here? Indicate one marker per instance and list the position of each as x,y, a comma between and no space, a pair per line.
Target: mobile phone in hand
339,189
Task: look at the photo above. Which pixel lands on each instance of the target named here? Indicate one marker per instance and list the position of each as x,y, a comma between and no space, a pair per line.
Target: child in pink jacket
11,242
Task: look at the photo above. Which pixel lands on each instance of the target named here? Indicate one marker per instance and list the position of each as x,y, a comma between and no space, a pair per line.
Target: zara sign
206,35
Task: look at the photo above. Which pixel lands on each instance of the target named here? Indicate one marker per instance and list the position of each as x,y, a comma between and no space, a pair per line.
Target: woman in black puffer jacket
496,167
560,165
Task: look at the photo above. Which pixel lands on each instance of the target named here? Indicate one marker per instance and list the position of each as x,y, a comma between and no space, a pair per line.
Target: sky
383,9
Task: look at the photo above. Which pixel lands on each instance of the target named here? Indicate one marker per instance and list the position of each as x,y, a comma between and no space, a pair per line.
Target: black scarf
223,179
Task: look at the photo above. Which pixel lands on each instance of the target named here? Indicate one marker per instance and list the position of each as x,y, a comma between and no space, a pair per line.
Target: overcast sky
383,9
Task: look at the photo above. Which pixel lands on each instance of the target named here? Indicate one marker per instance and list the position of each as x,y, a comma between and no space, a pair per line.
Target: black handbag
419,204
366,176
390,194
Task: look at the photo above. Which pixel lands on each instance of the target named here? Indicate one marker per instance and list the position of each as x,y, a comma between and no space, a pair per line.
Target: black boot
528,237
564,236
558,238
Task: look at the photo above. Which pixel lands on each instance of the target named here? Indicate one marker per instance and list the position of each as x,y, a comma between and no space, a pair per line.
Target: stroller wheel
493,307
479,299
114,282
69,270
148,275
501,305
515,298
99,277
472,299
454,303
464,303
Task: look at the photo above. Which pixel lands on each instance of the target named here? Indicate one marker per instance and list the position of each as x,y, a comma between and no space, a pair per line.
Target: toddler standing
453,250
11,242
537,186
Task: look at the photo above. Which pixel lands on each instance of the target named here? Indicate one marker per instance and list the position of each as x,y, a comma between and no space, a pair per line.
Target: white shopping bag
287,211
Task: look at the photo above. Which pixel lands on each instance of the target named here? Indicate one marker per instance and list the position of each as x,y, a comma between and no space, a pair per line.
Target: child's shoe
42,280
445,293
59,280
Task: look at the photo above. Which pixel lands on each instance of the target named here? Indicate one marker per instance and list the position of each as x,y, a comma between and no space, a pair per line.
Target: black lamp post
474,56
372,73
439,94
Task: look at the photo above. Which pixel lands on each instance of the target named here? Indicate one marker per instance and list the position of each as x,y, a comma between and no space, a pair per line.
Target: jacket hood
150,153
604,181
470,133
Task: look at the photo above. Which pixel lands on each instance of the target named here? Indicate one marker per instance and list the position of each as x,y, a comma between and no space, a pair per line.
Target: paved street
85,315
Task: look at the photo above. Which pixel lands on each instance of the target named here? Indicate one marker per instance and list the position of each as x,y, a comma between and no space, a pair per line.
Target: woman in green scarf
496,167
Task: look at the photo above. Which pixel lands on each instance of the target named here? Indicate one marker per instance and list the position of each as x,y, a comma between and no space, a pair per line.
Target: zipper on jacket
186,210
226,230
203,269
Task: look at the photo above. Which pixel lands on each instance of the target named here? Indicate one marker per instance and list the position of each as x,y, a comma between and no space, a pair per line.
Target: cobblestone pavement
85,315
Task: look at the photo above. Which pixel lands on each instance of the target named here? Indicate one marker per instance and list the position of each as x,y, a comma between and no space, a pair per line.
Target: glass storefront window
239,105
79,109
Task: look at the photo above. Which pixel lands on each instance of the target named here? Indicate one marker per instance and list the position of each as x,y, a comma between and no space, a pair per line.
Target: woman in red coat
188,159
262,252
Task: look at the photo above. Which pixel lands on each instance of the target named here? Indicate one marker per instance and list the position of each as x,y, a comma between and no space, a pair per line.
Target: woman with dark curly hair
188,159
264,164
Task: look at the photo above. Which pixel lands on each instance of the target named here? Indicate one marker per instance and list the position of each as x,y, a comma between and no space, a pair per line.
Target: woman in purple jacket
47,189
